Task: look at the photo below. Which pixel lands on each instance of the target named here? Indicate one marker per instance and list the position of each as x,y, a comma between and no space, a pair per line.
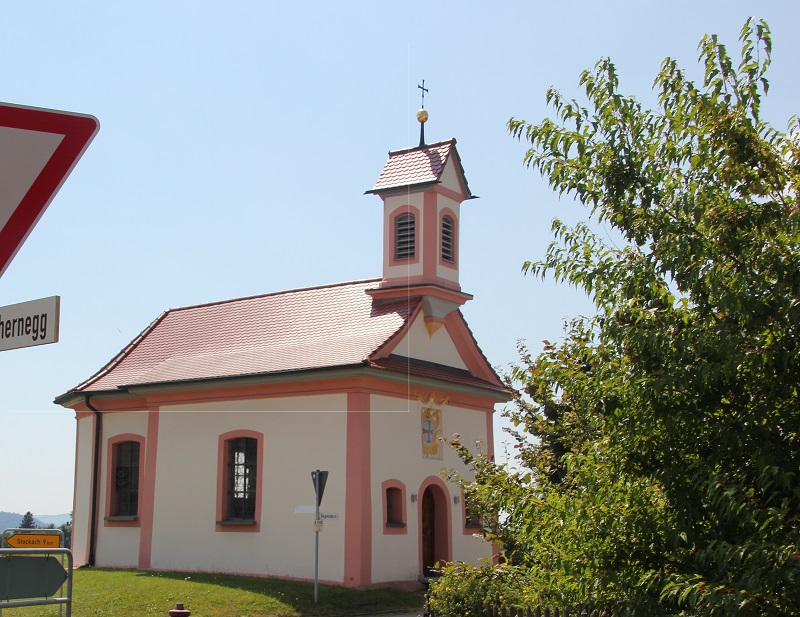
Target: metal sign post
320,478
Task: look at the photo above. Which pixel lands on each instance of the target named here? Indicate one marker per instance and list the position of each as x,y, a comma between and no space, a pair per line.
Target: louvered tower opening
447,239
404,237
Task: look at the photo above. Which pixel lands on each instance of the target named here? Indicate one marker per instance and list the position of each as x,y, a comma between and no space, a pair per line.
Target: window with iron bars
242,455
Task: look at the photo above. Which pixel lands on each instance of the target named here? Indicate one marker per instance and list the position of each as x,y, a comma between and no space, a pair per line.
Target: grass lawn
134,593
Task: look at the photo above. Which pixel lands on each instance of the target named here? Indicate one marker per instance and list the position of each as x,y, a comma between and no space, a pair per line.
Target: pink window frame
452,215
110,519
394,528
443,519
468,529
407,209
222,482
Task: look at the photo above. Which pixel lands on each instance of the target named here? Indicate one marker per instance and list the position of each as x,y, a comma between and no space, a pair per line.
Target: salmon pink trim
317,386
430,236
389,346
132,403
392,236
147,494
444,519
450,193
358,498
469,523
223,480
111,465
490,434
421,287
448,212
467,349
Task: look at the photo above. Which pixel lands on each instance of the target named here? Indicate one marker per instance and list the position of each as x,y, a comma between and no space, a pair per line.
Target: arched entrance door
434,530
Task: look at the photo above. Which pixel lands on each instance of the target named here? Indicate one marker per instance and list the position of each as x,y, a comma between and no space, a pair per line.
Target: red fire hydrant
179,611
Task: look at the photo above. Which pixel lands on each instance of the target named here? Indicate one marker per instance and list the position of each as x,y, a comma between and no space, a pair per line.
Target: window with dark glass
447,239
405,231
126,479
394,507
242,454
472,520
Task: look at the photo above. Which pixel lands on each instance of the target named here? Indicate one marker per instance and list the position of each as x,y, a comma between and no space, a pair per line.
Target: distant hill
11,520
55,519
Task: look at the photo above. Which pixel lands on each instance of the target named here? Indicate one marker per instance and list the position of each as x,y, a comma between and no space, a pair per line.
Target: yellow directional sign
34,540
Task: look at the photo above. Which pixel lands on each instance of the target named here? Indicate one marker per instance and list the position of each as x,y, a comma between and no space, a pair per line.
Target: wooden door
428,532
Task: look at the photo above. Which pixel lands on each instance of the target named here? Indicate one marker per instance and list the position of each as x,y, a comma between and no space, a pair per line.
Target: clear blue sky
237,140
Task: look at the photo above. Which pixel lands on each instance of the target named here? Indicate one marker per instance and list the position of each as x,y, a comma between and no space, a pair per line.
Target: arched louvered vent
404,237
447,239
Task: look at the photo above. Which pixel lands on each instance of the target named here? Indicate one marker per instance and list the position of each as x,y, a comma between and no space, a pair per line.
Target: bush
464,590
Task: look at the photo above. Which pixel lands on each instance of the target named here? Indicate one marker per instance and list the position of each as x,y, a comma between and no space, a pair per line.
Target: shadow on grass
333,600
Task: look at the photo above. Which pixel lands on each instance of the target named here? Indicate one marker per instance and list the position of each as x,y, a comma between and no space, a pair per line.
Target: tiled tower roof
415,166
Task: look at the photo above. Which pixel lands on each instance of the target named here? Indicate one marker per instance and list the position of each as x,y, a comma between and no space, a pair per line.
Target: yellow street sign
34,540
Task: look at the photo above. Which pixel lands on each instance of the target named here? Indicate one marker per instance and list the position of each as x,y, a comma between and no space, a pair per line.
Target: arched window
405,232
126,479
448,248
240,470
242,458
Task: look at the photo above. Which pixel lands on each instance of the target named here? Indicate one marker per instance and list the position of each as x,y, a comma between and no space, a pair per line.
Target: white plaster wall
301,434
118,546
439,348
83,490
397,454
449,177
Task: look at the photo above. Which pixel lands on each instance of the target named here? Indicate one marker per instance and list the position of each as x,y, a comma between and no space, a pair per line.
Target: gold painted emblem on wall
431,426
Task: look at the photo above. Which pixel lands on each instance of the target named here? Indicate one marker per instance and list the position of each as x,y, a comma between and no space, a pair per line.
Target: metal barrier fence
30,577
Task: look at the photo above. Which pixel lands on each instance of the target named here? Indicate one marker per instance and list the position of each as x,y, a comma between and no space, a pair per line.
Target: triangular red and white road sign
38,149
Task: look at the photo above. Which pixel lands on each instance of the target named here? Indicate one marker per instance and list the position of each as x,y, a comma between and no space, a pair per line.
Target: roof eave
363,369
401,188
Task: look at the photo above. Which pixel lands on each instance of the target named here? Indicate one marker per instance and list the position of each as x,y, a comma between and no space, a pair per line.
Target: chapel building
196,442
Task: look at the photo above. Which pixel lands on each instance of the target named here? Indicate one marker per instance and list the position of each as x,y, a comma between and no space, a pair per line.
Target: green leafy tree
27,522
66,529
658,467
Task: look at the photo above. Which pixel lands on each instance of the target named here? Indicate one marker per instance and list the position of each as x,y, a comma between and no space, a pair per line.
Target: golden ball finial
422,115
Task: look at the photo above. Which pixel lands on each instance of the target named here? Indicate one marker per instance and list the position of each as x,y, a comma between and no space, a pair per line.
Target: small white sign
28,324
325,516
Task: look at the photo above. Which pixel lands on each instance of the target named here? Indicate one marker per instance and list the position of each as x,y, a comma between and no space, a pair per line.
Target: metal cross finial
424,90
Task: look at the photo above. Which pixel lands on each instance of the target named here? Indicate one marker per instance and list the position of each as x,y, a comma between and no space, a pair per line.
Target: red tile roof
335,325
417,166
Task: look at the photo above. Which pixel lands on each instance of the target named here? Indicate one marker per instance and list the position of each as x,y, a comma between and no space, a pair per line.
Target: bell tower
422,189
